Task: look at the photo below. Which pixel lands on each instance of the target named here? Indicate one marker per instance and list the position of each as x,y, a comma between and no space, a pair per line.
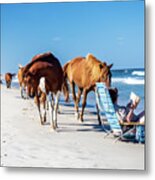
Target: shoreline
26,143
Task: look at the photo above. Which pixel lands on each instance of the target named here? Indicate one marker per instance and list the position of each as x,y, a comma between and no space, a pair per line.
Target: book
135,99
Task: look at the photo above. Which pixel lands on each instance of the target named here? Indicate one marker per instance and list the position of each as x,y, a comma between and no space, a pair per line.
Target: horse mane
90,58
94,65
46,57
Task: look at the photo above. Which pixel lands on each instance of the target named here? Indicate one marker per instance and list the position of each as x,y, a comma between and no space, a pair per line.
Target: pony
8,79
23,88
45,73
1,79
22,85
84,72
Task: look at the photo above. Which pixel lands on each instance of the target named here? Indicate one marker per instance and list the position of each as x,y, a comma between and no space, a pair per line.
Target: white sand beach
26,143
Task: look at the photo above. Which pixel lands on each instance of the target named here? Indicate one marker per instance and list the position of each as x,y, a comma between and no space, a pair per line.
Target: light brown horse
22,85
84,73
47,74
8,79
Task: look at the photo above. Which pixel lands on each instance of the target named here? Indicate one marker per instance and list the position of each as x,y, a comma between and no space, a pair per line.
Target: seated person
125,113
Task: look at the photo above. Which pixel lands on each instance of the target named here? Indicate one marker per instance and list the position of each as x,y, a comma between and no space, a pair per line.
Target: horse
84,72
8,79
22,85
21,81
46,73
0,79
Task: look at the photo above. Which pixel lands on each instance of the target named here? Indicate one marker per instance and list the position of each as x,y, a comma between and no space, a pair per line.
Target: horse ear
14,74
20,66
101,66
110,66
89,56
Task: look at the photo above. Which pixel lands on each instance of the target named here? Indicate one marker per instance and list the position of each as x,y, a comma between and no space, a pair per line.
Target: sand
26,143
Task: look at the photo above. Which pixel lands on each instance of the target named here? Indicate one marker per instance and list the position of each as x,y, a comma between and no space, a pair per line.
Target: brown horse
85,72
47,74
8,79
23,88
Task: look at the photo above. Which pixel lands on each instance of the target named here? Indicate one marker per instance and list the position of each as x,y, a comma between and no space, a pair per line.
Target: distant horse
0,79
8,79
85,72
21,81
46,73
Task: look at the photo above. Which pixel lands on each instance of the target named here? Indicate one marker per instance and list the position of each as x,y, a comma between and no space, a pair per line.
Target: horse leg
83,103
77,102
74,98
9,84
22,91
59,109
56,109
51,108
98,115
73,91
38,105
44,107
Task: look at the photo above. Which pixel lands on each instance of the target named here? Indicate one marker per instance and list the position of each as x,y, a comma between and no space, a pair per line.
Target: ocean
125,80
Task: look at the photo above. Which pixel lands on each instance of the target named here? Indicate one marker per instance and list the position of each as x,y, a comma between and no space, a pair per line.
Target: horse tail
65,87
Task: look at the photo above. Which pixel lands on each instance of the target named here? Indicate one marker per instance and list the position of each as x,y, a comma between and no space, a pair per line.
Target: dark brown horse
22,85
46,73
84,73
8,79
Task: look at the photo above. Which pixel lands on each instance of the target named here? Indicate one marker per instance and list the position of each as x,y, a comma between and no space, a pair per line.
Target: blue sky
112,31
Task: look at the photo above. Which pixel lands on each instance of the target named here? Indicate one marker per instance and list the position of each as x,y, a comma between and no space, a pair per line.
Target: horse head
105,73
30,83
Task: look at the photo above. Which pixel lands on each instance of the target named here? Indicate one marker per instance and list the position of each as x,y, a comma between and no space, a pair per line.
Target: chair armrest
131,123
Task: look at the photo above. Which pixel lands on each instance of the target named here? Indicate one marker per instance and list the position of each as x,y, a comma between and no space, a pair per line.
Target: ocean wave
127,80
131,81
138,73
15,80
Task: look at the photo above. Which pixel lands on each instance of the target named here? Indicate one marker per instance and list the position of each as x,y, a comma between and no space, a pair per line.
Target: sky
112,31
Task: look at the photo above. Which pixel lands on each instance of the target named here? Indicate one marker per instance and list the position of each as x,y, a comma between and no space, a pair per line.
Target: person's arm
130,114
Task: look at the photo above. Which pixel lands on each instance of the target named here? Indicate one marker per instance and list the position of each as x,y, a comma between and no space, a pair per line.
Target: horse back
84,72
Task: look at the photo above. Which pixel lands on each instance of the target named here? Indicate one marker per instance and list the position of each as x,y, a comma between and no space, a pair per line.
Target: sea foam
138,73
131,81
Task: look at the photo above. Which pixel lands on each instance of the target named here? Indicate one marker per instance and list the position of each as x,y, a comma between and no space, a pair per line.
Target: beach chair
105,105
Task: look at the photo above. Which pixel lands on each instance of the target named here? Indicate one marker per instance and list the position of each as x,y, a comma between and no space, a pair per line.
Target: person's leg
141,116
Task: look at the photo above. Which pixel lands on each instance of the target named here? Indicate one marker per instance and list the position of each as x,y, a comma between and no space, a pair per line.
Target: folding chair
105,105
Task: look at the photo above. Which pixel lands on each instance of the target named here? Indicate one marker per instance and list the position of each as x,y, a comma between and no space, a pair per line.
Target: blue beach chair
105,105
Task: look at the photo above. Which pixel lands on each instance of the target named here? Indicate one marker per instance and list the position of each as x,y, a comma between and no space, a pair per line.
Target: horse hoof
44,119
42,122
100,124
81,119
77,115
53,128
